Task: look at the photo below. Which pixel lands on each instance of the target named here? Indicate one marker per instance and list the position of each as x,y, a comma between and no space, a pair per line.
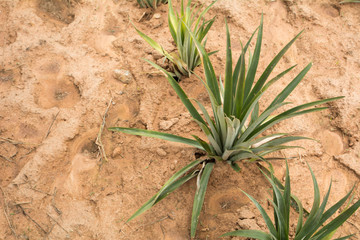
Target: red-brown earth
57,65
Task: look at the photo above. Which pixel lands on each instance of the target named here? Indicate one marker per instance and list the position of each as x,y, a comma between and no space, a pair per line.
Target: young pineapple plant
313,228
233,134
150,3
187,56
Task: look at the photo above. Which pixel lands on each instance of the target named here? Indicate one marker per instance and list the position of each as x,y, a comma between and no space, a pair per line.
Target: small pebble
248,224
117,152
245,213
123,76
161,152
172,166
157,15
167,124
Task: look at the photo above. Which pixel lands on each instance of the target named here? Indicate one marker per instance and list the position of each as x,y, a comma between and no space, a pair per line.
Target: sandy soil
58,59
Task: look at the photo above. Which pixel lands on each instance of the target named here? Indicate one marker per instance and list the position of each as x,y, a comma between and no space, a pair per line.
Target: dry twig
30,151
12,141
51,124
6,212
31,219
6,158
353,224
58,211
22,203
148,224
57,223
37,190
50,230
98,141
162,230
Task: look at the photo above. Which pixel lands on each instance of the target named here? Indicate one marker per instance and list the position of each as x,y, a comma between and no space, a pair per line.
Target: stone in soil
123,76
167,124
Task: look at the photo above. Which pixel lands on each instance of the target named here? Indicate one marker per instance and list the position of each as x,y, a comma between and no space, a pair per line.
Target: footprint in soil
60,10
55,89
8,34
8,77
123,111
225,201
331,142
61,93
84,158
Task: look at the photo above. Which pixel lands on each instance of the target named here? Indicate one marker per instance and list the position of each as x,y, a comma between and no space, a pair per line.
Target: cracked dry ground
57,77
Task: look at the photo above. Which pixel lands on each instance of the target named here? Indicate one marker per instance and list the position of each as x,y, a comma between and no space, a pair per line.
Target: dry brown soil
57,77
